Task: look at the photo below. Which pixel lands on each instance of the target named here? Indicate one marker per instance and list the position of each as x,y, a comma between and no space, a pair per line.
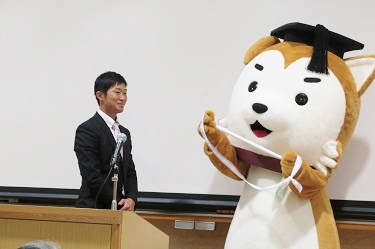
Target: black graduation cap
321,39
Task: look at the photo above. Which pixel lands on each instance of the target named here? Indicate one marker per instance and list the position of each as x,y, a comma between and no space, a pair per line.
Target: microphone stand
115,180
120,140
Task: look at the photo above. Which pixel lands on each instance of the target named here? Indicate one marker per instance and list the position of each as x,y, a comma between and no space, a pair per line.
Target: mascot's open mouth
259,130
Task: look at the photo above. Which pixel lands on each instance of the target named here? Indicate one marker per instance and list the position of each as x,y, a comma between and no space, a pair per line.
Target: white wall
179,58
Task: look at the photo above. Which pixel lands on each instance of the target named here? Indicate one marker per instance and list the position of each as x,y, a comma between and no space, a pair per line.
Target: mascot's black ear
321,39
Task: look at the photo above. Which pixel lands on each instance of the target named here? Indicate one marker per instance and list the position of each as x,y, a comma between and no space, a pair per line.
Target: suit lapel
108,133
102,125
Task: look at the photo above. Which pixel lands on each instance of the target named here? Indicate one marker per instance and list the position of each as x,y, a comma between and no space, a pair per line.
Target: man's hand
127,204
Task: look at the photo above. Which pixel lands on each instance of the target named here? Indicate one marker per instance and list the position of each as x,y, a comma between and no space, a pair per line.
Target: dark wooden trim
175,202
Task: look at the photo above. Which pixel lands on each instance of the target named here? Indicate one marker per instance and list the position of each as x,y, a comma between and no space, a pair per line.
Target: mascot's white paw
328,158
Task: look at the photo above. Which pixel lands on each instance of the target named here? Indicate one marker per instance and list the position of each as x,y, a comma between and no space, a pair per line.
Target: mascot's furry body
290,110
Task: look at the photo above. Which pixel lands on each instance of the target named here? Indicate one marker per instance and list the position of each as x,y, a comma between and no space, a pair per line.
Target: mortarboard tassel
318,62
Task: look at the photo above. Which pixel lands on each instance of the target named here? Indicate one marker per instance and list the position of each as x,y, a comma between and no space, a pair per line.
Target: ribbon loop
285,182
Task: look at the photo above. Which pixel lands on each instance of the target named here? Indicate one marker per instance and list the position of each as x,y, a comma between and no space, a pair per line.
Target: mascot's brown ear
363,71
259,46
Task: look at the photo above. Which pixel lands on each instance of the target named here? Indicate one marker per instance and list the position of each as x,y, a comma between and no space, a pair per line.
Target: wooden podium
78,228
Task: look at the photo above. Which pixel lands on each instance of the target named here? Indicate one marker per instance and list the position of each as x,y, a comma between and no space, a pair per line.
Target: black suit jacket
94,146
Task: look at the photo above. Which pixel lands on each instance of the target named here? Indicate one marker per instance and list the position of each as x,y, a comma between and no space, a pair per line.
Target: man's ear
99,95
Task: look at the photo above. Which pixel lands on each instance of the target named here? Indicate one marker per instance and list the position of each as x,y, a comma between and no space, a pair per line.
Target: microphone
121,138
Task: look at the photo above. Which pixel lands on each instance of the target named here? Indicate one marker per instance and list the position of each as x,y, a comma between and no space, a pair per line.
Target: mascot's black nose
259,108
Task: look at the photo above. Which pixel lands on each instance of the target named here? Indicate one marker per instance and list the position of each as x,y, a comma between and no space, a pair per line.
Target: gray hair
39,244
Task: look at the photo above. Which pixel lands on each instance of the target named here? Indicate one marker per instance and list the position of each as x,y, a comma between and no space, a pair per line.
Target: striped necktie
116,130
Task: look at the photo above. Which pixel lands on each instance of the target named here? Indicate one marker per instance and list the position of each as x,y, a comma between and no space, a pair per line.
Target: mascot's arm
311,179
222,144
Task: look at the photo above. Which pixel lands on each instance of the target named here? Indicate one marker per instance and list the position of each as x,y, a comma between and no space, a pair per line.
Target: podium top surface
66,214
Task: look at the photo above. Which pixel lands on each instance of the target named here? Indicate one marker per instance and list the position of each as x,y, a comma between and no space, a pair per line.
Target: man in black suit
94,145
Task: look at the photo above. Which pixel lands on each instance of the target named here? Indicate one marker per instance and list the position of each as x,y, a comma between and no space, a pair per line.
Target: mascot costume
292,112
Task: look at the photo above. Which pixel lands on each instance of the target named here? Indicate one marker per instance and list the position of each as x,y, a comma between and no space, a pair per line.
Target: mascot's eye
253,85
301,99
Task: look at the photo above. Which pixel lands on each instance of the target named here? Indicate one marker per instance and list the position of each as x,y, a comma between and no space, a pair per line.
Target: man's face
114,102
